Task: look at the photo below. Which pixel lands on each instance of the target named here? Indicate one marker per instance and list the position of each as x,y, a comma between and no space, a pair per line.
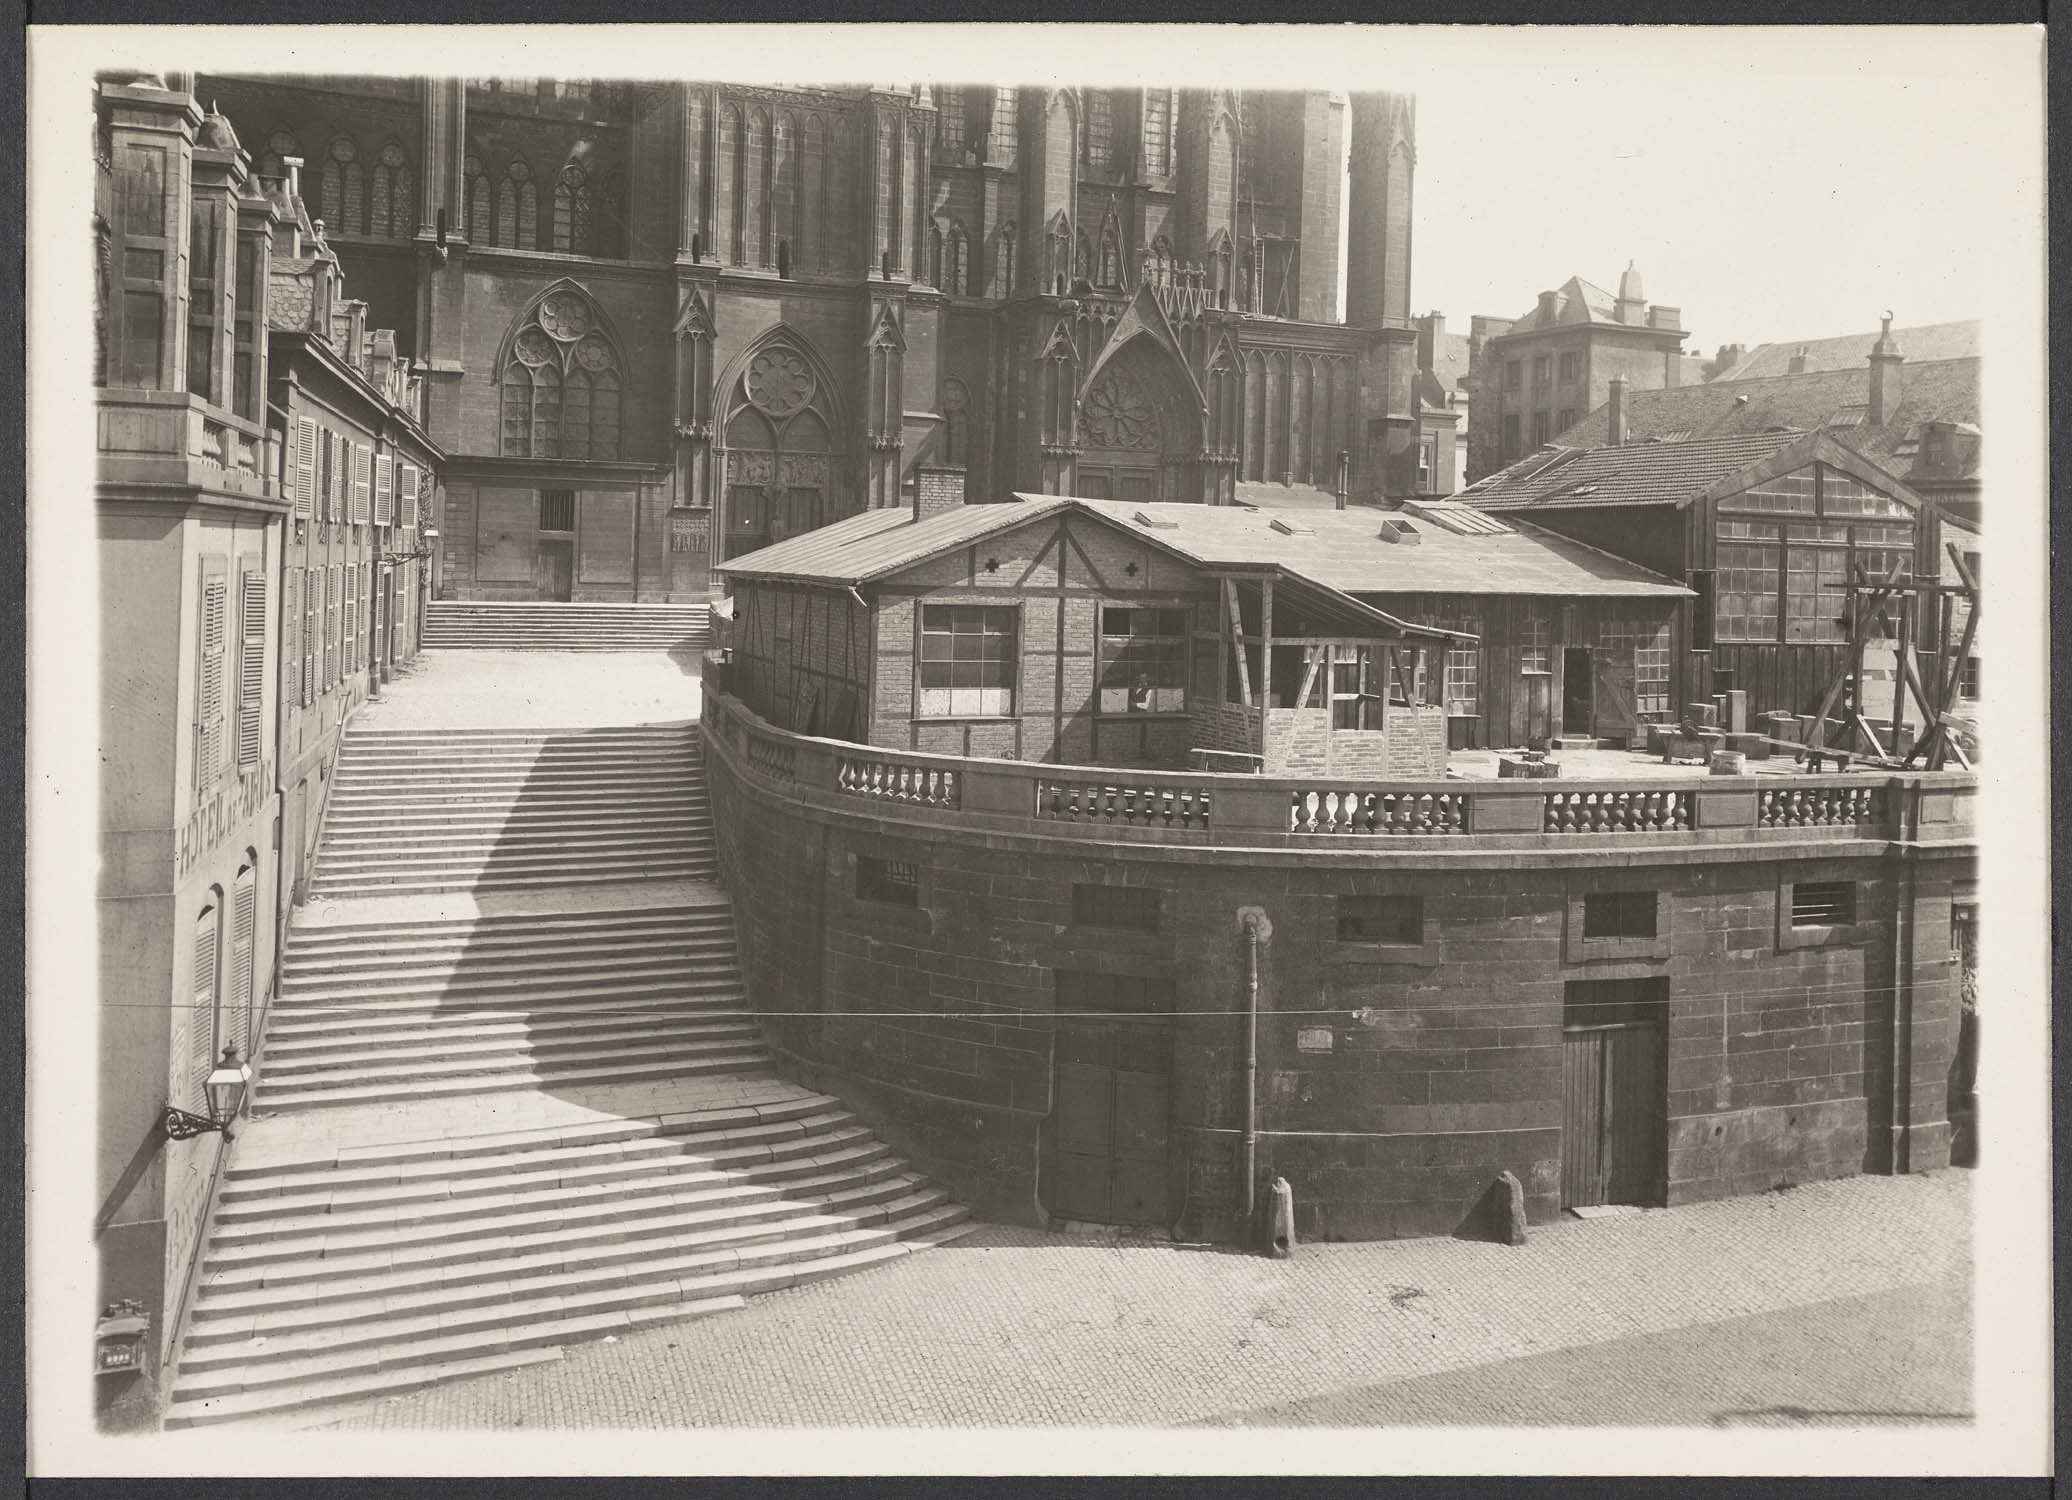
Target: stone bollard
1498,1215
1280,1220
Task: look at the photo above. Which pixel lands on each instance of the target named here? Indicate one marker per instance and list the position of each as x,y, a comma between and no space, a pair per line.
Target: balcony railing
1239,809
170,437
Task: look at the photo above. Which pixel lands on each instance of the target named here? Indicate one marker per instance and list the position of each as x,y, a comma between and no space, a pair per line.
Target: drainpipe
1903,994
1257,930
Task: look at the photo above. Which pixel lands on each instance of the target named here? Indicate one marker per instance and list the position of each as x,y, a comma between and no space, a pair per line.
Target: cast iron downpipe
1257,930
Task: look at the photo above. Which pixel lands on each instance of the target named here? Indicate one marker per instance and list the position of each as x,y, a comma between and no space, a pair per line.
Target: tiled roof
1450,355
1344,550
1636,474
1926,344
877,542
1944,391
1575,301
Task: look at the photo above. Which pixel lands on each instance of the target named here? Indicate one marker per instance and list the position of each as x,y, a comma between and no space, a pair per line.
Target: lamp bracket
179,1125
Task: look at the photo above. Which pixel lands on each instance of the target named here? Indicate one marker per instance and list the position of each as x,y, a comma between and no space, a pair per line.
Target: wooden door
1612,697
1107,1160
1612,1114
1577,691
557,570
1535,706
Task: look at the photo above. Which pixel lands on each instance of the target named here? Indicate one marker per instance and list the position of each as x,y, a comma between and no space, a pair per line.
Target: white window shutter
291,621
406,495
311,628
363,482
382,499
201,1035
244,903
305,465
209,690
251,668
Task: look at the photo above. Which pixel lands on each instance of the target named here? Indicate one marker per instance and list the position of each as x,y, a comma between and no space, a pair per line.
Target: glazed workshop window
1427,463
1514,374
1128,908
1354,702
1380,919
1571,369
1967,678
1823,903
1463,673
1534,655
1647,645
967,661
893,882
1143,661
1619,914
557,510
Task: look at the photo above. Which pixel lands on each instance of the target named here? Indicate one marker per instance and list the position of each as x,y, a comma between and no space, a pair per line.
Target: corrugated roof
1944,391
1636,474
877,542
1343,550
1928,343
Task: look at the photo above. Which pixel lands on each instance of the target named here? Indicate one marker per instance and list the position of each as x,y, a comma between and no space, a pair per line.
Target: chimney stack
1632,304
937,490
1797,364
1547,301
1345,466
1887,379
1615,412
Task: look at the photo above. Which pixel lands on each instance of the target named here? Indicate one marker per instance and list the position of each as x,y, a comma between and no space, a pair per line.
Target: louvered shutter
244,904
201,1016
251,667
352,620
291,621
310,636
333,589
305,466
406,496
209,693
363,482
425,483
382,469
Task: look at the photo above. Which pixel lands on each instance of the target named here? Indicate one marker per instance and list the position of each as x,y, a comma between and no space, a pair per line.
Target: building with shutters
664,324
363,480
222,335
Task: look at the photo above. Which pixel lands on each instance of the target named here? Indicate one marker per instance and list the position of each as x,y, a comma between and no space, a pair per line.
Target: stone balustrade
1248,810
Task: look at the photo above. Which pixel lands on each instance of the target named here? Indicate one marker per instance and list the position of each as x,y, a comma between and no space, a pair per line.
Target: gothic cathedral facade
662,325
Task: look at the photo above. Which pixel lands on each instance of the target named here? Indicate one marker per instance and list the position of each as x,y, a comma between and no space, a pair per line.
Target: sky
1767,203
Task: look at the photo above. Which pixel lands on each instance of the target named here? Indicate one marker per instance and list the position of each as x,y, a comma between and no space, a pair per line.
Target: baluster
1550,818
1400,813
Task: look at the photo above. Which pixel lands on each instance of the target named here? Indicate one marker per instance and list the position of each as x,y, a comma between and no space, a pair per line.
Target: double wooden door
1613,1113
1107,1160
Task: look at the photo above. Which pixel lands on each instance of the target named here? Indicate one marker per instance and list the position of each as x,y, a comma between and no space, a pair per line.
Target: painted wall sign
1313,1039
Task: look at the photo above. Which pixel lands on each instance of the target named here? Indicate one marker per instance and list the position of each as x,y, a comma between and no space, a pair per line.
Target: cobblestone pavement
1848,1297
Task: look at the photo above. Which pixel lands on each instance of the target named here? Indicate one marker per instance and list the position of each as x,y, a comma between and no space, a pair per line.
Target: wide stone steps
551,626
659,1169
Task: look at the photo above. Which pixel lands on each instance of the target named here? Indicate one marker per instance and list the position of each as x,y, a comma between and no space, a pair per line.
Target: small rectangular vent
1155,523
1400,532
1287,527
1823,903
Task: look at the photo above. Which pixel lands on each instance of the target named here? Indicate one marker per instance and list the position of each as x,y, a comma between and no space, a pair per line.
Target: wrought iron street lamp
226,1088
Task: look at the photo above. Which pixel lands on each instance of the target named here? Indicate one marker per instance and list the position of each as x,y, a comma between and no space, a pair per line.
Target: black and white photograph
1177,737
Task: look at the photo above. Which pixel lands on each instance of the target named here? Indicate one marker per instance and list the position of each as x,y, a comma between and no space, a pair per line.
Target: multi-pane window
1514,374
1648,645
561,385
1354,702
967,661
1788,579
1534,652
1541,430
1130,907
1571,368
1967,678
1511,435
1463,672
1143,661
1381,919
1564,419
1542,367
1619,914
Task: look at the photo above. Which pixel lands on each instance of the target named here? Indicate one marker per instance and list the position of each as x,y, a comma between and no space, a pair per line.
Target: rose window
779,382
1119,414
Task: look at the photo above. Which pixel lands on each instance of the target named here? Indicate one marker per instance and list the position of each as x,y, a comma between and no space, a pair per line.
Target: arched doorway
1139,428
780,450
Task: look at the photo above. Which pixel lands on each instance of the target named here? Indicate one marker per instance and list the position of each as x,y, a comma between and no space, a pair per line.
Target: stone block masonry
1396,1081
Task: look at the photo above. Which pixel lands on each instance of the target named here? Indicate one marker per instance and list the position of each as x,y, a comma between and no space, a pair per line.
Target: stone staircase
484,625
416,811
487,1127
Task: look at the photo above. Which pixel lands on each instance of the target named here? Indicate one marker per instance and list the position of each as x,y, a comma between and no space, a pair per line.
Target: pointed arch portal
1139,432
780,434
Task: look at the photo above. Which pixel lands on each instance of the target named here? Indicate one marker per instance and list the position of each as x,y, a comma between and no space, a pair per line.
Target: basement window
1126,907
894,882
1619,914
1381,919
1823,903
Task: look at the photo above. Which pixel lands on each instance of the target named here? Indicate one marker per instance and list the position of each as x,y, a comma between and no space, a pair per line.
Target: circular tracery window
565,316
593,353
534,347
778,382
